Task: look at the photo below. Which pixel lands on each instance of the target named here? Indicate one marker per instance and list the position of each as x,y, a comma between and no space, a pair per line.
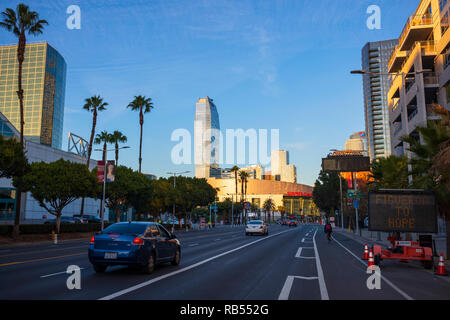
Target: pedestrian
328,230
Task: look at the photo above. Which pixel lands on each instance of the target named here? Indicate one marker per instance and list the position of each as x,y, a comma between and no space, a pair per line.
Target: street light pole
102,208
174,186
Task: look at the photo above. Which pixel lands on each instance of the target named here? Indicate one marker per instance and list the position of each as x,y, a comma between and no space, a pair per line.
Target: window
164,232
154,231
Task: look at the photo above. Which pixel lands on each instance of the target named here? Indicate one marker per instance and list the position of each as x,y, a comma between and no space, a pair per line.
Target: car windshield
128,228
255,222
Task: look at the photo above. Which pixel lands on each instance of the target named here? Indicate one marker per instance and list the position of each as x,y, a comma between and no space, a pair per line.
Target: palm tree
105,138
93,104
269,206
21,22
143,105
244,176
116,138
235,169
389,173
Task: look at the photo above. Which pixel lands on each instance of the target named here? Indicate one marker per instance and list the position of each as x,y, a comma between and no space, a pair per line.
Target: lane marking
299,252
284,295
322,285
42,251
54,274
193,245
147,283
42,259
393,286
217,239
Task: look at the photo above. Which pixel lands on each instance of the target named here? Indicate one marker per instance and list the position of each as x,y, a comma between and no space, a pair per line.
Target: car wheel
100,268
150,266
246,234
177,258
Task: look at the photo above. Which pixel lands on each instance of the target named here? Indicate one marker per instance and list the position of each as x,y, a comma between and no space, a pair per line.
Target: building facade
420,62
356,142
375,58
207,138
44,85
31,212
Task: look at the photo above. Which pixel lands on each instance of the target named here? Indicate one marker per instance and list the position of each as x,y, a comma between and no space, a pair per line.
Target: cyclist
328,230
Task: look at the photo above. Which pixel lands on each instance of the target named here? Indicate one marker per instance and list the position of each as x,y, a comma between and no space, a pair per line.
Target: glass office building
375,58
44,84
207,139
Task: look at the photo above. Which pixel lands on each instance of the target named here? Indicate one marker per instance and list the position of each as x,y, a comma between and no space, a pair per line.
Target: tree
105,138
116,138
13,161
21,22
326,193
57,184
93,104
143,105
235,169
269,206
243,175
389,173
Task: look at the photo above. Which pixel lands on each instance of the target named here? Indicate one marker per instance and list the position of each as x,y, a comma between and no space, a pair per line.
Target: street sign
402,211
213,207
356,204
352,194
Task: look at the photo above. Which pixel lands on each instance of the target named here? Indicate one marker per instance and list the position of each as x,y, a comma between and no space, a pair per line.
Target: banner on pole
110,171
100,171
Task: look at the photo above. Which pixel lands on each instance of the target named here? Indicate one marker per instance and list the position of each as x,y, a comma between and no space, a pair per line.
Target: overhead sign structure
402,211
350,163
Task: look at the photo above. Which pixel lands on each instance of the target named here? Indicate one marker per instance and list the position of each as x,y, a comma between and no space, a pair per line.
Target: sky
268,64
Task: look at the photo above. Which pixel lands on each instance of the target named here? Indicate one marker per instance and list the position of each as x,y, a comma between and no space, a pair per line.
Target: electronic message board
346,164
402,211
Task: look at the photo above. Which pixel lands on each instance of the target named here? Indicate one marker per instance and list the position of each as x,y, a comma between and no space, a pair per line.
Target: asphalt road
223,264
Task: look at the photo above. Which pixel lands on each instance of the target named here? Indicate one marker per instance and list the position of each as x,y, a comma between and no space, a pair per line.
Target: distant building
356,142
44,85
281,170
206,139
375,58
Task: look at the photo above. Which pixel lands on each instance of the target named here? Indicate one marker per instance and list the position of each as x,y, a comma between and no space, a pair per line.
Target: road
223,264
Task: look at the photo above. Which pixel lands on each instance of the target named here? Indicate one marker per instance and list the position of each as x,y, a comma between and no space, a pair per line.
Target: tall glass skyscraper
206,139
375,58
44,85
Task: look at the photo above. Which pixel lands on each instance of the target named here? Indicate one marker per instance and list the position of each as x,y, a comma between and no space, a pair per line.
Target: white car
256,226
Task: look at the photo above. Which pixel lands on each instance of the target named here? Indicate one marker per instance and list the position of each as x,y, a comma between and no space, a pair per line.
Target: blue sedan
142,244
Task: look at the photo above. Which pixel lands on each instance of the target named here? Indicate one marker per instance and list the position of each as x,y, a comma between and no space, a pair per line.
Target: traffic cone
441,267
366,253
371,261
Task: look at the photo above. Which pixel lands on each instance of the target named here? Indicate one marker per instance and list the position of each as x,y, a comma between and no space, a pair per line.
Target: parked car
89,218
292,223
141,244
256,226
64,219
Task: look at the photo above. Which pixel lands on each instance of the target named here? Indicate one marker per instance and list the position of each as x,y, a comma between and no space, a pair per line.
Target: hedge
48,228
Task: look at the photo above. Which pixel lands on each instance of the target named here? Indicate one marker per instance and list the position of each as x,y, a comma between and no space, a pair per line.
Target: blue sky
273,64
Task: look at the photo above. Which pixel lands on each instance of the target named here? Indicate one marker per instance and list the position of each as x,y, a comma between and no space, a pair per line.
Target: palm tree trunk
117,154
141,122
20,58
91,140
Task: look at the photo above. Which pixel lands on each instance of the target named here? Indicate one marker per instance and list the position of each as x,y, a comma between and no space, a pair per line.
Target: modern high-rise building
207,142
375,58
280,168
421,63
44,85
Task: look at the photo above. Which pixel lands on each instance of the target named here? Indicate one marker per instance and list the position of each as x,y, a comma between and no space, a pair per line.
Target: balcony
412,113
430,79
417,28
396,61
394,105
